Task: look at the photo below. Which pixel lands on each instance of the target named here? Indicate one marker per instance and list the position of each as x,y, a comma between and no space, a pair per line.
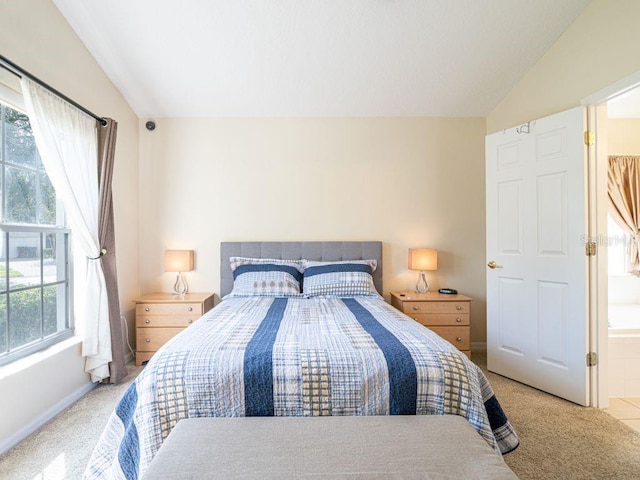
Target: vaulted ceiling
247,58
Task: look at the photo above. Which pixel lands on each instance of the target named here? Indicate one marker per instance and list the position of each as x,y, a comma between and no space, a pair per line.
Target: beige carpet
561,440
558,440
61,449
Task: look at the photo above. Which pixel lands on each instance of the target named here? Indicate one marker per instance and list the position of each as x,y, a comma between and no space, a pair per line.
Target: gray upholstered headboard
321,251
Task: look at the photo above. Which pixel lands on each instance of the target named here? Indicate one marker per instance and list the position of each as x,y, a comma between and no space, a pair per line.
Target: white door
537,284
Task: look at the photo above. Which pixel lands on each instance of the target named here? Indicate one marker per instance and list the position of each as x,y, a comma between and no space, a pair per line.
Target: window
617,248
34,246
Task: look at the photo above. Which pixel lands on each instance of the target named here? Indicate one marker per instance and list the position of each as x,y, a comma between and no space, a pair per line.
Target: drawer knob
458,307
147,340
191,309
146,309
459,339
147,321
416,308
458,320
190,321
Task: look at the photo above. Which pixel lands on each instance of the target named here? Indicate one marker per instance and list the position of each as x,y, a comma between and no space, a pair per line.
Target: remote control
448,291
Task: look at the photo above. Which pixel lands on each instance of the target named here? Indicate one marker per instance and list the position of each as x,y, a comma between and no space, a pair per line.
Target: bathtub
624,350
624,319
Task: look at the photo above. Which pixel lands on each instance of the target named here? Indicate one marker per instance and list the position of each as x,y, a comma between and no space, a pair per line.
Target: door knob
492,264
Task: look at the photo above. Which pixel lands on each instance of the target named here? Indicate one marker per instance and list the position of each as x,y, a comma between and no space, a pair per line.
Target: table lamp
179,261
423,259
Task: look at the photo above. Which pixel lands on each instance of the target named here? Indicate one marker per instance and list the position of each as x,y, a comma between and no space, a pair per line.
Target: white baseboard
47,416
478,346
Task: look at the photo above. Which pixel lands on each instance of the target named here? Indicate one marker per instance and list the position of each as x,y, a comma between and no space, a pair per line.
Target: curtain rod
18,71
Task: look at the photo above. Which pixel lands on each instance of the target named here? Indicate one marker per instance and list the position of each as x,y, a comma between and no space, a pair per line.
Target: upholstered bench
424,446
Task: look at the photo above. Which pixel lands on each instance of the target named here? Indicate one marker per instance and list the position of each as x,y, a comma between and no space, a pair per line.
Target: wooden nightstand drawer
435,307
161,316
441,318
181,321
458,336
142,357
151,339
169,309
445,315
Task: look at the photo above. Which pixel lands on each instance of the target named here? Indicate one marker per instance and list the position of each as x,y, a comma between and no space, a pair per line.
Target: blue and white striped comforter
260,356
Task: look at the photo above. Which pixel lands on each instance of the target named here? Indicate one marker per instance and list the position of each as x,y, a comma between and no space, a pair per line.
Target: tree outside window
34,270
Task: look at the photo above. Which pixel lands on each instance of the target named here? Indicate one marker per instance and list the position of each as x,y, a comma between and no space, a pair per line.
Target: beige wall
34,35
597,50
623,136
409,182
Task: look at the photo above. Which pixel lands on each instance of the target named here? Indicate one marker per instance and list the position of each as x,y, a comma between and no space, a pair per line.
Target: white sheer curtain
67,141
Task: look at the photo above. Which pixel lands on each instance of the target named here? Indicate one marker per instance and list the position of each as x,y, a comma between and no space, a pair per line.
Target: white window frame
63,280
616,249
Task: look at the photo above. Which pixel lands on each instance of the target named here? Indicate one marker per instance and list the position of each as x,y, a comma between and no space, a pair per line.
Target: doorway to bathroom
623,278
614,121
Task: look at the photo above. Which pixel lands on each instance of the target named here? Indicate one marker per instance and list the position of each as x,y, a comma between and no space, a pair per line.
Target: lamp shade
178,260
423,259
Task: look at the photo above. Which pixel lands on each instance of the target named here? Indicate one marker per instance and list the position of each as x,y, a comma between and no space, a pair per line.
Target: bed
301,331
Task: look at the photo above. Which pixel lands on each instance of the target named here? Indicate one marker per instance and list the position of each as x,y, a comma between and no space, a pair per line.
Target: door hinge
592,359
589,137
590,249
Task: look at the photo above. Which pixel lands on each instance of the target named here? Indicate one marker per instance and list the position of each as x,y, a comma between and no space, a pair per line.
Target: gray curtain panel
106,231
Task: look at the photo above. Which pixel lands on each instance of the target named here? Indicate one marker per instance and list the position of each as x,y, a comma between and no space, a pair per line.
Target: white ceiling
248,58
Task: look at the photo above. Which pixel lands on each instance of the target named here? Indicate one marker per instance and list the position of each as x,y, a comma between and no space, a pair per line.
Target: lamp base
422,286
180,287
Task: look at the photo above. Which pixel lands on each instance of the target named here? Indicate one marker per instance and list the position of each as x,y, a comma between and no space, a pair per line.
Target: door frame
597,231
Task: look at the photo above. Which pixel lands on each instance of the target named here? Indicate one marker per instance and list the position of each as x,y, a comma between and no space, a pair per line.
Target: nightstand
446,315
161,316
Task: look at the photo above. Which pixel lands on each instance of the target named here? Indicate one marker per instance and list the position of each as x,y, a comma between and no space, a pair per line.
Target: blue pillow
265,277
339,279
